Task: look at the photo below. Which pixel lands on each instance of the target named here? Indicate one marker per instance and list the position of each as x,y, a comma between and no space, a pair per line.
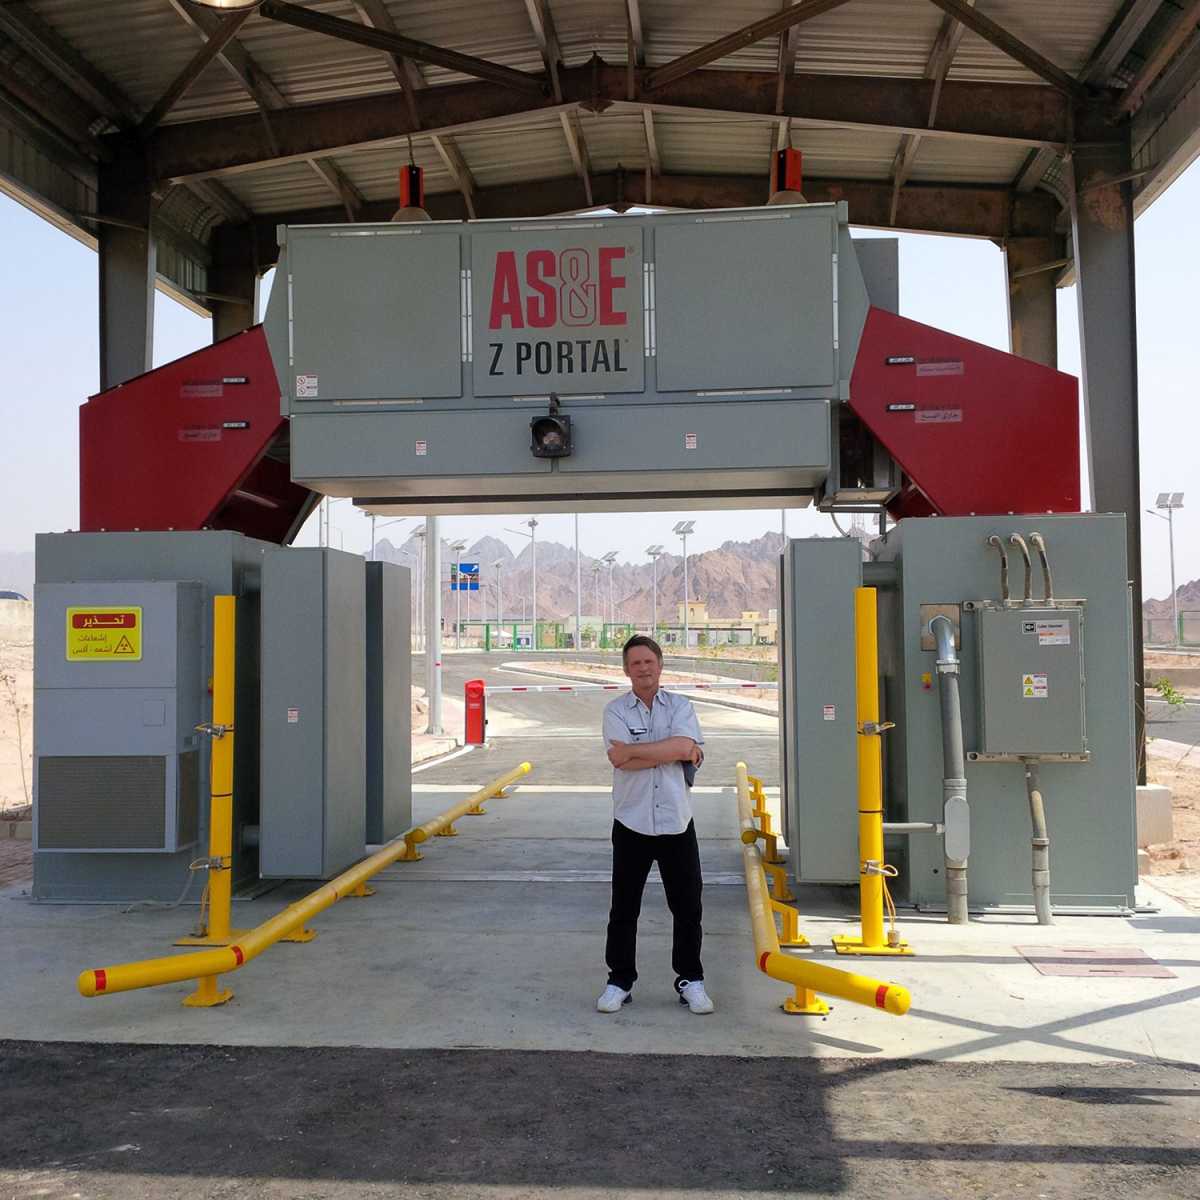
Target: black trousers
678,858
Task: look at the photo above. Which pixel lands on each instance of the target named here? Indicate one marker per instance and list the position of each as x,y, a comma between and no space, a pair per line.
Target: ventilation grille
189,798
114,803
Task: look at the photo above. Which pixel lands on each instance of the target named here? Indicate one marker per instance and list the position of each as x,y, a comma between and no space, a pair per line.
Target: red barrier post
476,708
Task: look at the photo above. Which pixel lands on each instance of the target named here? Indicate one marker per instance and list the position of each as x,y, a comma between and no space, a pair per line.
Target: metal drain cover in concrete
1127,962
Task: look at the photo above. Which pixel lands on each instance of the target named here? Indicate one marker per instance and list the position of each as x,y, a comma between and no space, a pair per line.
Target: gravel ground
149,1122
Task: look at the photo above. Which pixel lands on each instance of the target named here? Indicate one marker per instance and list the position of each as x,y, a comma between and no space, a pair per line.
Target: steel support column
1032,266
1102,230
127,270
233,280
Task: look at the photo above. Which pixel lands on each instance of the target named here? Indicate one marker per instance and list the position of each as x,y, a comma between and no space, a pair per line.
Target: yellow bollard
287,925
220,818
805,976
870,786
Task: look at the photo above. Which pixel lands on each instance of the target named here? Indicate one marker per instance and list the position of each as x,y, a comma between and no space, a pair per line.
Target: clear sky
48,345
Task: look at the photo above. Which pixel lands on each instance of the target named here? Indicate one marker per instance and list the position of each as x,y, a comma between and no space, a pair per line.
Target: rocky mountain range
735,577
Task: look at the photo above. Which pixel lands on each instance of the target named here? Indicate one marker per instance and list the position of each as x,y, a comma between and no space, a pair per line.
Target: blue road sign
466,579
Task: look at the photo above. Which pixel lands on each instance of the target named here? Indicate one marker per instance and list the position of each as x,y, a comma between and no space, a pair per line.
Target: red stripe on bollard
101,980
881,996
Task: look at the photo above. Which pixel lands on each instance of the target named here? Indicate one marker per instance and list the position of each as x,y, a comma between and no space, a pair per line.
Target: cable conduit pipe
1017,540
1039,544
1041,846
956,812
997,541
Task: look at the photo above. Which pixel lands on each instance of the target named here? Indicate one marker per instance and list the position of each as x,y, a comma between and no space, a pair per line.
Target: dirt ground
152,1122
1182,776
16,718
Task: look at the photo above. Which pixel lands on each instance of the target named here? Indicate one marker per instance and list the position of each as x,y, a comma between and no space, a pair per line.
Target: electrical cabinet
117,699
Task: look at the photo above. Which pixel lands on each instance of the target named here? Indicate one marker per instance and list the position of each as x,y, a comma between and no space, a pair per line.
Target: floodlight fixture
228,5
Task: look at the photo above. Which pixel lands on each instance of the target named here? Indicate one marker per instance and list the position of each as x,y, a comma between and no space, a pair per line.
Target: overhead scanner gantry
736,358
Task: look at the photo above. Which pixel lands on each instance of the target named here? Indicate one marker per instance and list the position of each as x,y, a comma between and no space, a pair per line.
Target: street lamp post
683,528
596,569
433,624
1170,501
393,521
610,559
458,547
499,567
532,523
654,552
578,639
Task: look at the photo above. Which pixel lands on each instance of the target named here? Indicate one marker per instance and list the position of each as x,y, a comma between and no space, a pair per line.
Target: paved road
561,731
1179,724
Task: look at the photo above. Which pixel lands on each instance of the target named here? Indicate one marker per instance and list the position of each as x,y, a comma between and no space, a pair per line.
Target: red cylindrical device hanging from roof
786,171
412,186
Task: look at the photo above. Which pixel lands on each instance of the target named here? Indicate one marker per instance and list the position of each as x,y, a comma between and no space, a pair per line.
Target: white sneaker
612,998
695,997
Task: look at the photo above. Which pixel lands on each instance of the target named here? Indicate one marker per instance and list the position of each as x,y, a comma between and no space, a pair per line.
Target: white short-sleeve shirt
655,800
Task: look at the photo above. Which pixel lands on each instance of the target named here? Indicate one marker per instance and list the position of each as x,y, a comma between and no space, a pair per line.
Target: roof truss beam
991,212
941,57
375,13
578,148
221,36
395,43
234,57
335,179
787,59
756,31
1014,114
1118,40
633,16
22,25
546,36
1170,45
1011,45
454,162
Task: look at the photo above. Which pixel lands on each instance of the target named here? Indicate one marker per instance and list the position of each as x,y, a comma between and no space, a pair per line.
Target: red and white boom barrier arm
476,693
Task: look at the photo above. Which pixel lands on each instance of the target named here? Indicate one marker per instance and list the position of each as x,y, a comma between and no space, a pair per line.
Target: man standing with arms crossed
650,734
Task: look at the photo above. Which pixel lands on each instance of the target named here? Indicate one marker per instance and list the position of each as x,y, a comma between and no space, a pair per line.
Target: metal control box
117,701
389,701
1031,682
313,715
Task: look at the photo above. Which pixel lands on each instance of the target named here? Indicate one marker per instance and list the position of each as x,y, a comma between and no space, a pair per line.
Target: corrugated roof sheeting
510,152
695,145
879,37
845,153
1065,32
613,139
951,161
291,187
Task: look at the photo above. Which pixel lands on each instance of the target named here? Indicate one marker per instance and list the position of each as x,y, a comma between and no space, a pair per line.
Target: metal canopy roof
940,115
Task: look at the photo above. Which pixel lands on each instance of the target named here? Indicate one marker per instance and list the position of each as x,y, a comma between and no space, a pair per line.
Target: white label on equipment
422,447
690,441
1035,686
307,387
293,716
1053,633
829,712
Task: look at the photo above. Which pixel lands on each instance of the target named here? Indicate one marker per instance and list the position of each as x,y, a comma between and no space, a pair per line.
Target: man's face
643,668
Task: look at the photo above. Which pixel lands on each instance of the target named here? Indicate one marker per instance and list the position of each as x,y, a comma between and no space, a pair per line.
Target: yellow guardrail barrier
806,976
204,966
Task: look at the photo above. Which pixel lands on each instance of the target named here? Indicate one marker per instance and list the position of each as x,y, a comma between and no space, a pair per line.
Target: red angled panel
196,444
974,429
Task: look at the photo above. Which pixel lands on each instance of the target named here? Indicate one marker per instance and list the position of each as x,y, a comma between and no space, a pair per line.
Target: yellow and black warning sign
104,634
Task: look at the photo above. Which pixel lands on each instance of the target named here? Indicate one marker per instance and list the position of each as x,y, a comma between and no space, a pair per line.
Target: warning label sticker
1035,686
104,634
690,441
1053,633
829,712
307,387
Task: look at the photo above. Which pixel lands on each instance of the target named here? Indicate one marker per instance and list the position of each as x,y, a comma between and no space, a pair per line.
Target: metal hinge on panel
291,330
835,300
468,335
649,332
